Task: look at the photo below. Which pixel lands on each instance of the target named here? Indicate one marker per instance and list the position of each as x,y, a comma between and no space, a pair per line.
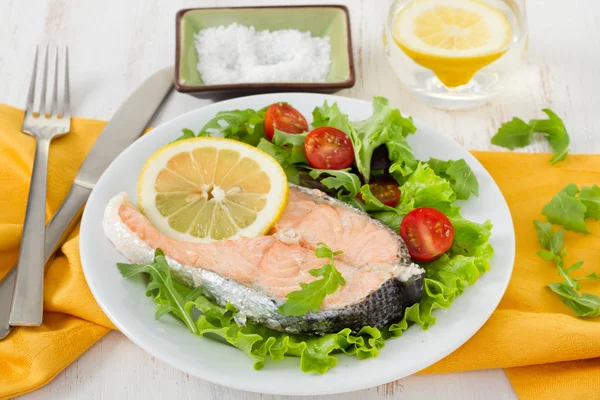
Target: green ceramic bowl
330,20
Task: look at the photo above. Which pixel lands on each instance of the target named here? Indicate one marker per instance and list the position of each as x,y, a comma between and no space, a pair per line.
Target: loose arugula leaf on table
311,296
244,125
590,197
518,133
582,304
568,210
459,174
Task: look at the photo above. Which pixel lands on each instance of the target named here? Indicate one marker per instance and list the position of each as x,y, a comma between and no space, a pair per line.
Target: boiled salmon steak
255,274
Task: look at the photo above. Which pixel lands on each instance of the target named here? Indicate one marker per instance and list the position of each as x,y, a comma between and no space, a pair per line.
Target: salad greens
459,174
203,317
311,296
570,210
582,304
382,151
385,127
518,133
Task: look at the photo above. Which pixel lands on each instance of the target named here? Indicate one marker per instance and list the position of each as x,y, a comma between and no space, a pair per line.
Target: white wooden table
115,44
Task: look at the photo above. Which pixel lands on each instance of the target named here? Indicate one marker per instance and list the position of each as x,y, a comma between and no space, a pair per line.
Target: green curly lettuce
316,353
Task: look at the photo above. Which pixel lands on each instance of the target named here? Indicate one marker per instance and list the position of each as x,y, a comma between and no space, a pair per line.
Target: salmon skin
255,274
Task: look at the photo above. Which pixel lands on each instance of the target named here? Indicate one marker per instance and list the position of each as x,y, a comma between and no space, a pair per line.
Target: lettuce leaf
459,174
293,143
424,188
385,127
327,115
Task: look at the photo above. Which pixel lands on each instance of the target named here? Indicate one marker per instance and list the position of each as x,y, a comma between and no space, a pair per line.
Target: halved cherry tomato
285,118
386,192
328,148
427,233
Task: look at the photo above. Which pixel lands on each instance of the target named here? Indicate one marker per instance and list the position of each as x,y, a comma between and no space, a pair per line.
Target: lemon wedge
207,189
454,38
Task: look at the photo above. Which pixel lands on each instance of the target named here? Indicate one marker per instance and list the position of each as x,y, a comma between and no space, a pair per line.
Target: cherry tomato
328,148
386,192
285,118
427,233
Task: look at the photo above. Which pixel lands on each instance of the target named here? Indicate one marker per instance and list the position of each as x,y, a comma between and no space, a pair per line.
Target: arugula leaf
544,232
339,179
582,304
517,133
327,115
385,127
283,158
258,342
311,296
244,125
293,143
161,283
459,174
554,130
590,197
513,134
187,134
567,210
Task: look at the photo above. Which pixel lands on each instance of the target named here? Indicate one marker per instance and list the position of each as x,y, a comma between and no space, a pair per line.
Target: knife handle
57,230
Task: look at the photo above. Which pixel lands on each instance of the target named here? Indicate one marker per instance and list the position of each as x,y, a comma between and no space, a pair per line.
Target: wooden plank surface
115,44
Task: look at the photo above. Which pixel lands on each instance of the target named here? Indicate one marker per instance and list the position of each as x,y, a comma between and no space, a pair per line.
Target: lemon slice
452,38
208,189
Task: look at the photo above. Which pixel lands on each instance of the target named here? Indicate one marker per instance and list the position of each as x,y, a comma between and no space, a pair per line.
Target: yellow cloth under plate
547,353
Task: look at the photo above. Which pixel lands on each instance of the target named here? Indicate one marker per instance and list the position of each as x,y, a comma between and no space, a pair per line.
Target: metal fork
47,115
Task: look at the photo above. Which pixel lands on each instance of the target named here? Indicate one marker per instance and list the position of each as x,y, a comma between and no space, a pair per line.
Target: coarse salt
241,54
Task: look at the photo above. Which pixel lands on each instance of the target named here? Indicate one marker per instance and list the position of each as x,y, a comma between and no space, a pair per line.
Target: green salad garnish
311,296
518,133
381,151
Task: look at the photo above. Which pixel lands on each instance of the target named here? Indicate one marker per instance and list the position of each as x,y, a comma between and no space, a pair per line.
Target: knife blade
126,125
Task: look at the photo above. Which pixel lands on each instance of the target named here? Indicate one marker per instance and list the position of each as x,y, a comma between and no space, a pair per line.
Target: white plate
125,303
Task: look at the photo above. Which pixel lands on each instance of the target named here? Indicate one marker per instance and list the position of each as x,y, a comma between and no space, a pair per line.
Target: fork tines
49,87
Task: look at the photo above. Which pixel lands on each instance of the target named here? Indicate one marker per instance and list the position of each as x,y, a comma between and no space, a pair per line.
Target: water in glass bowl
455,54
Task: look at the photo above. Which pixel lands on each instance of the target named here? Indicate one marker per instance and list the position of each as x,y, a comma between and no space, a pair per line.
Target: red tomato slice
285,118
427,233
386,192
328,148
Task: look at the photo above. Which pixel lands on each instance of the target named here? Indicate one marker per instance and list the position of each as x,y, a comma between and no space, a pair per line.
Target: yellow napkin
547,353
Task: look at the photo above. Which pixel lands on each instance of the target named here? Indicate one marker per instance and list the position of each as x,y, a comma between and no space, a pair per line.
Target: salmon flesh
255,274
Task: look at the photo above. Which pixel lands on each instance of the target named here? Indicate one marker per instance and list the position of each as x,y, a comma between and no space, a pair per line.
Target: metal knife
124,128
